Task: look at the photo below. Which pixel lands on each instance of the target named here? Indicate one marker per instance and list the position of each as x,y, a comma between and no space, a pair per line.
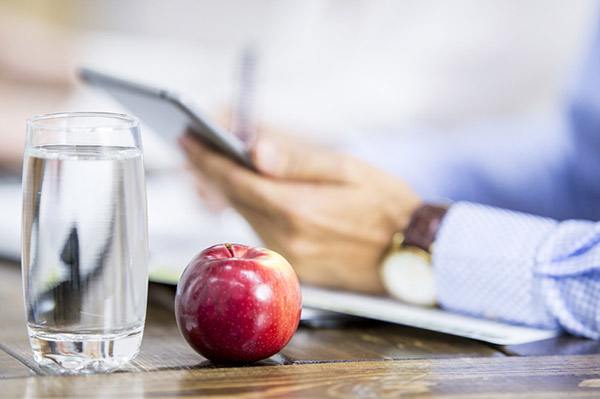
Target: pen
242,122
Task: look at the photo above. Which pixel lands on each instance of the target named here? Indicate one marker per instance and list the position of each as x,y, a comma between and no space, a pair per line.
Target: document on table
179,228
388,309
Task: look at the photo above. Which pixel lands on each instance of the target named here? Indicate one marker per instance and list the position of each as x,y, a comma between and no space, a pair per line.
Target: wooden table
339,359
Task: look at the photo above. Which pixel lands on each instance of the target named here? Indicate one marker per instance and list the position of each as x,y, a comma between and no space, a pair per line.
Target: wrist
406,271
423,226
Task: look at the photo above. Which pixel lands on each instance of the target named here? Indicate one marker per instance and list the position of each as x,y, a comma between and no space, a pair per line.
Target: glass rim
37,121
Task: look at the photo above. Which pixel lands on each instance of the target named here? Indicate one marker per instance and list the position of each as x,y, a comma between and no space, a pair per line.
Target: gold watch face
407,275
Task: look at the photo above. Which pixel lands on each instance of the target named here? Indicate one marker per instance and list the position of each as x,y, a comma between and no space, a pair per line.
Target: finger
300,162
207,192
212,197
237,183
215,166
273,232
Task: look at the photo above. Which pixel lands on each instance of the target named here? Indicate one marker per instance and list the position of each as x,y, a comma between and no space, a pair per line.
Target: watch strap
423,226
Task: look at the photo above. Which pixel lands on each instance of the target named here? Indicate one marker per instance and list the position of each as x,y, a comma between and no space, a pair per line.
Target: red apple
238,304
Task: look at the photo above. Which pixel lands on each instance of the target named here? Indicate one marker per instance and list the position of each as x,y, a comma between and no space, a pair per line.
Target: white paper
388,309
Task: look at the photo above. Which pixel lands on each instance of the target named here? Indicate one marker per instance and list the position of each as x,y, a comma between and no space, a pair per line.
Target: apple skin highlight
238,304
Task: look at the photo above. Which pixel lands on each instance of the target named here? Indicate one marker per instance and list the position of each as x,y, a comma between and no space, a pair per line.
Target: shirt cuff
484,260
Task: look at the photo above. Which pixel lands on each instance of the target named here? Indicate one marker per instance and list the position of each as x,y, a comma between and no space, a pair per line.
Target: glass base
67,353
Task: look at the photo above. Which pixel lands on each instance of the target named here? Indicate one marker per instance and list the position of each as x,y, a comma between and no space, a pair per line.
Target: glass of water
84,240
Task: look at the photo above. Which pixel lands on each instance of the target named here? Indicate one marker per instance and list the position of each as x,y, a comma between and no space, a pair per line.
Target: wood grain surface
574,376
334,358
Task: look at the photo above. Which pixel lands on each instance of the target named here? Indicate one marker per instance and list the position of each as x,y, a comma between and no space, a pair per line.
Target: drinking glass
84,240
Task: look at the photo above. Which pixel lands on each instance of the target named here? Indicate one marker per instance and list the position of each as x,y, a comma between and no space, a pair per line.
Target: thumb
298,161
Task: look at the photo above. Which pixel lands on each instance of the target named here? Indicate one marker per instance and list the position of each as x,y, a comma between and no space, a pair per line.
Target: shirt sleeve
519,268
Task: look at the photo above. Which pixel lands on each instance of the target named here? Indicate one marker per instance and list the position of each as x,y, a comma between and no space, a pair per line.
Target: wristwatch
406,270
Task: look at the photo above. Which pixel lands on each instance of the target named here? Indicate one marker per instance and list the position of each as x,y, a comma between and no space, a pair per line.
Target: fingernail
267,156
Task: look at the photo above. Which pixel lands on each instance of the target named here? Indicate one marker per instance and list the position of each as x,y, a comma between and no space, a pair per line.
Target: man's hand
331,215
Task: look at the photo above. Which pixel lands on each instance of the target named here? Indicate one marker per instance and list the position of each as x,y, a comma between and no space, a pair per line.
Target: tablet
168,113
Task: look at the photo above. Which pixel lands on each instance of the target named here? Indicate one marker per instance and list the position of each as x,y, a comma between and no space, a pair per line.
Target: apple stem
230,249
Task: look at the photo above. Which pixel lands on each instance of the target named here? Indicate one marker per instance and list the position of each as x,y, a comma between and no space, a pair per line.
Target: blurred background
331,69
335,67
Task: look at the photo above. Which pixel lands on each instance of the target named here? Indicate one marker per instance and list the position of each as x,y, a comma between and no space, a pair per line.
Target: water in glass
84,255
